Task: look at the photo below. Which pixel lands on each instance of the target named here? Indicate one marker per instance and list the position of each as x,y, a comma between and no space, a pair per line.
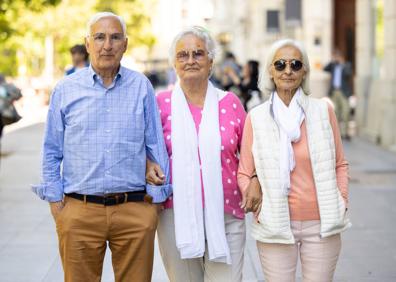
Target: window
273,21
293,12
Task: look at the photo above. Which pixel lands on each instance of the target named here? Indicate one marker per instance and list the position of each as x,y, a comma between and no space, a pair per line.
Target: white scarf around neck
288,119
191,220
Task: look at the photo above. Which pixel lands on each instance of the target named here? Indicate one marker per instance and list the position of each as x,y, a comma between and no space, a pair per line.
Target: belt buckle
111,199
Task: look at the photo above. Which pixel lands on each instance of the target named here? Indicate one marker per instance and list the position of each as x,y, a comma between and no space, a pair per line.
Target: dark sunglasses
295,65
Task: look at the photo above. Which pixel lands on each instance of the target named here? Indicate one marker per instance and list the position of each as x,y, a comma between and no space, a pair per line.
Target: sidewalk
28,242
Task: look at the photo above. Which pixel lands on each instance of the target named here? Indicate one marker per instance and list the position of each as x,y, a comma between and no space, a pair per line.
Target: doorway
344,28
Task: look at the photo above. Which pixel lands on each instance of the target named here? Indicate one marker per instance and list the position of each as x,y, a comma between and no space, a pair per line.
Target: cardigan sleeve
246,162
342,166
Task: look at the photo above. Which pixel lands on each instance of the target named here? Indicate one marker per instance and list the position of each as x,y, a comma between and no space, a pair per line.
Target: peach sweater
303,204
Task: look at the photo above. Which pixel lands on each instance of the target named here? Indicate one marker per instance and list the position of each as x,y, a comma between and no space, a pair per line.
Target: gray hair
199,32
266,84
95,18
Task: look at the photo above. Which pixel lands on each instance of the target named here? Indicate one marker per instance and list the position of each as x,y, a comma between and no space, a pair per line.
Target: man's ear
126,44
86,39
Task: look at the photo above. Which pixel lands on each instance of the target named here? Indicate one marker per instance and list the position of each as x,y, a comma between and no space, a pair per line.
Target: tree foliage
10,10
28,24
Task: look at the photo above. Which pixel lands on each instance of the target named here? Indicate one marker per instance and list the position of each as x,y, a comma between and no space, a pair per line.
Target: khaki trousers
84,229
201,269
318,255
341,108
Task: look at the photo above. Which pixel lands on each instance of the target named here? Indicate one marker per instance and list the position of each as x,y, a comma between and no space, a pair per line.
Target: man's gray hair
199,32
95,18
266,84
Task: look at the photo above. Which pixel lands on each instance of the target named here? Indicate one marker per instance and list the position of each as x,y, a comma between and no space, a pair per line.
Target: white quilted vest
274,226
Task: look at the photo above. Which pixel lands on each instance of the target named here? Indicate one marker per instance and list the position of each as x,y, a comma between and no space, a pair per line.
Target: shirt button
107,151
108,130
108,110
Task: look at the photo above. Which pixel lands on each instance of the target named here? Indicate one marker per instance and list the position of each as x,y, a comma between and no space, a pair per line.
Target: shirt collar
94,76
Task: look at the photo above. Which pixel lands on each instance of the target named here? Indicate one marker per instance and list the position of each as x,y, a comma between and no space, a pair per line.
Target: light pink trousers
318,255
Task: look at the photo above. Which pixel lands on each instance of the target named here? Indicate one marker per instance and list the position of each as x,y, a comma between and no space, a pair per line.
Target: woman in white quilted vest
293,173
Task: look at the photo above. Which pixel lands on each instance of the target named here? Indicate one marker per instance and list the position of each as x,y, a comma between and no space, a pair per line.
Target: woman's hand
252,198
154,174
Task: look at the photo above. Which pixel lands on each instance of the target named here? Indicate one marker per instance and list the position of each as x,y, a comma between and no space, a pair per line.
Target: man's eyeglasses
295,65
197,55
100,38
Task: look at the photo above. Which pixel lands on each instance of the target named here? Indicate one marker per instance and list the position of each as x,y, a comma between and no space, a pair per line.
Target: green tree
10,11
64,25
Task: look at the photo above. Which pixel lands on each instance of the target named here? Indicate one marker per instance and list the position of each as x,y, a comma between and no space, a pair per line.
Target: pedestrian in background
80,58
292,149
340,89
102,124
201,231
247,84
229,64
9,93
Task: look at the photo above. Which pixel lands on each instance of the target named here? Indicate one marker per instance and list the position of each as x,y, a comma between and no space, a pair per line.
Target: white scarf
289,121
191,222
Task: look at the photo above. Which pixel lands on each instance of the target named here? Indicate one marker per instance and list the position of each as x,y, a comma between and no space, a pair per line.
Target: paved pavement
28,243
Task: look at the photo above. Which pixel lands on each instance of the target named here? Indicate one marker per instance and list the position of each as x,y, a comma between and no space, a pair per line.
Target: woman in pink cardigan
293,172
201,231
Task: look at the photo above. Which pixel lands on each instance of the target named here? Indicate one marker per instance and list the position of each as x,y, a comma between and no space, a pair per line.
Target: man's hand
251,199
56,208
154,174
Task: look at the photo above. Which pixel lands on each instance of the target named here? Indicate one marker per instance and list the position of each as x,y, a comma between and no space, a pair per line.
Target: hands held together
252,197
154,174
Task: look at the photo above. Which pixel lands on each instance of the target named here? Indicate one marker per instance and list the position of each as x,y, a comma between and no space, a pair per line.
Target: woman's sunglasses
197,55
295,65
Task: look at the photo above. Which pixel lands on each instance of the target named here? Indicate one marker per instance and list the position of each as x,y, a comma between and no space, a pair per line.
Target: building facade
364,30
375,79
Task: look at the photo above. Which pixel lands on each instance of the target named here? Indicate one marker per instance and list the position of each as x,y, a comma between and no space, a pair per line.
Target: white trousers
318,255
201,269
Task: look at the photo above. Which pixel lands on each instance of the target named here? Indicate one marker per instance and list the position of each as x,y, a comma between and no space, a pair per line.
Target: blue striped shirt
97,138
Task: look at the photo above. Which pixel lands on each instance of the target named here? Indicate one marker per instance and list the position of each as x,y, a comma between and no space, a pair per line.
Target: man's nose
108,44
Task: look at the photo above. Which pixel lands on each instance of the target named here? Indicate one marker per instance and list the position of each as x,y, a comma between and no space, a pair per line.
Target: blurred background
35,41
36,36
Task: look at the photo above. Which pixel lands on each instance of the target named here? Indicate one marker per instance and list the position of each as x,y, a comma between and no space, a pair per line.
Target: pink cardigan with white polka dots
231,120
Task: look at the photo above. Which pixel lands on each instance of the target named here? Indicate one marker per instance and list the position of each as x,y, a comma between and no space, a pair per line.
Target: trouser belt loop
85,199
126,197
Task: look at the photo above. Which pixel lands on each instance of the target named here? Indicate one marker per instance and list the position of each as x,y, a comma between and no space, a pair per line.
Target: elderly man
102,124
